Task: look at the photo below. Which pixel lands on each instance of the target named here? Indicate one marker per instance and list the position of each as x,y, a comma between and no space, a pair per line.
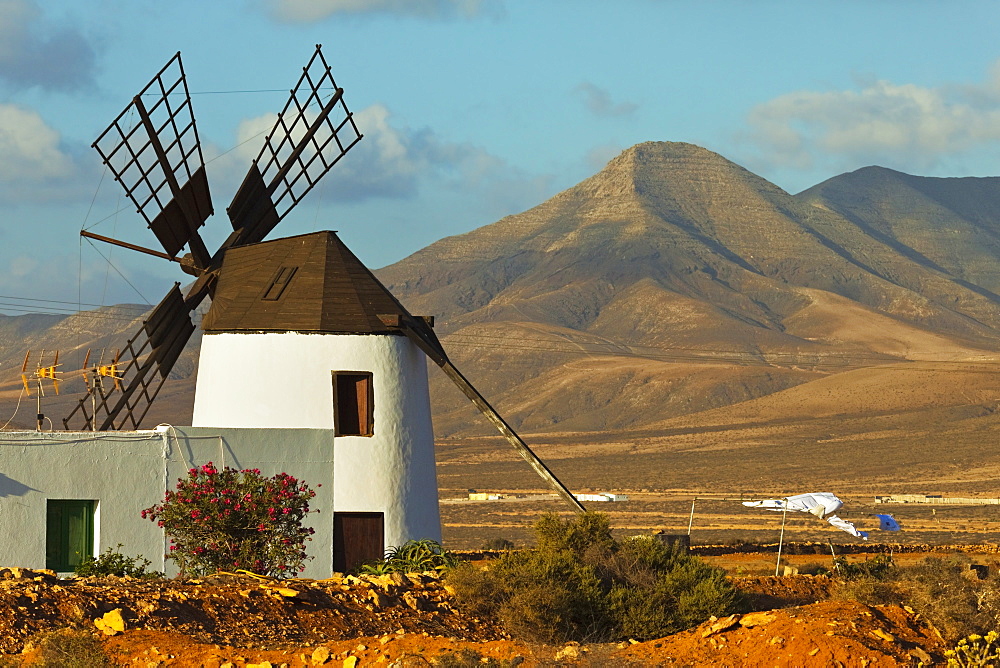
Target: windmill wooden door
357,538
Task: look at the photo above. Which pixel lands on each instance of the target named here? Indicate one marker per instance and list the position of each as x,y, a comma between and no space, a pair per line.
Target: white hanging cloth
844,525
820,504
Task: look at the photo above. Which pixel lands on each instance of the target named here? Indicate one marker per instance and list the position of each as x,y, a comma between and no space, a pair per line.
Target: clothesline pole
691,519
781,536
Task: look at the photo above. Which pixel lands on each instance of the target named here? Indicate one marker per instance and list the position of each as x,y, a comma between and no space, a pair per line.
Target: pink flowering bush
229,520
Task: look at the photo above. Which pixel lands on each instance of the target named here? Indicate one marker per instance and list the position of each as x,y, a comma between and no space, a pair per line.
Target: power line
62,301
80,314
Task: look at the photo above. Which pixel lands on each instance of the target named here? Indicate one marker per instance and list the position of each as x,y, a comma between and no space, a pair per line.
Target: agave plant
413,556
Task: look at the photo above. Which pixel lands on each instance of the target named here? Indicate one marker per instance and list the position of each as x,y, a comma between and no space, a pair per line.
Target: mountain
674,288
948,225
675,281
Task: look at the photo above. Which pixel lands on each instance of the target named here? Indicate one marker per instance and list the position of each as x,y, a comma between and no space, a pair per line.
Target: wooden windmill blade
418,331
159,163
312,133
147,359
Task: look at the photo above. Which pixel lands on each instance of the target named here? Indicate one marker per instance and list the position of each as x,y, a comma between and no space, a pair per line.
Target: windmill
159,163
265,294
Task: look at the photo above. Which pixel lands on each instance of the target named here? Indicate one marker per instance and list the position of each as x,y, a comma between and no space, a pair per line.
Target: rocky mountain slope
675,281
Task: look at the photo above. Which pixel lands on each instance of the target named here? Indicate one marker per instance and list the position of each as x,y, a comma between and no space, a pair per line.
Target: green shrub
547,595
586,531
413,556
498,544
957,604
658,589
581,584
814,568
113,562
868,591
880,567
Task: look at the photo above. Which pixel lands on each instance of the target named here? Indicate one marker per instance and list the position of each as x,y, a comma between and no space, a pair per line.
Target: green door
69,533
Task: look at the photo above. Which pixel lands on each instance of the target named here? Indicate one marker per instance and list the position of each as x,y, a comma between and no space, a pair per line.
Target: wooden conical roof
306,283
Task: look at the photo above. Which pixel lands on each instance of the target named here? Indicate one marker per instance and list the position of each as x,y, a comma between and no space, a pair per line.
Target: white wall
283,380
129,471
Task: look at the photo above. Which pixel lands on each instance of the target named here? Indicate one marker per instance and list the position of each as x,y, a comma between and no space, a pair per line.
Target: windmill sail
153,150
145,362
312,133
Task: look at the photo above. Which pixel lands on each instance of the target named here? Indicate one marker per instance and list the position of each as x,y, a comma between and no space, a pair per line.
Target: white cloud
397,162
598,101
29,149
36,52
896,125
381,165
35,163
386,163
309,11
394,162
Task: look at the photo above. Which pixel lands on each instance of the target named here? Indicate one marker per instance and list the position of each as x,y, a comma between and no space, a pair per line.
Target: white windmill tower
302,311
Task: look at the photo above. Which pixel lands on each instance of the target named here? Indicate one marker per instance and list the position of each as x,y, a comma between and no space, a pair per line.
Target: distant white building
601,496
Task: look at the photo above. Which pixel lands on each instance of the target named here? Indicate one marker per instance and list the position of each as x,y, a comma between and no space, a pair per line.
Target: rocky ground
239,620
829,633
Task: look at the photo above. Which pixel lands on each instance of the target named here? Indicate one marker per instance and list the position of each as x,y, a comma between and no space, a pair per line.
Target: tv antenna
93,377
41,372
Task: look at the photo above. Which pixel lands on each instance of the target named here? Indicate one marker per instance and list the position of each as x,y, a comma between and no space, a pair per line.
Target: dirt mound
236,610
767,592
831,633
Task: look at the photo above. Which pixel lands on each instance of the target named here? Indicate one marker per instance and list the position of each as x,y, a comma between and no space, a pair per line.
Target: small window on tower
279,283
352,403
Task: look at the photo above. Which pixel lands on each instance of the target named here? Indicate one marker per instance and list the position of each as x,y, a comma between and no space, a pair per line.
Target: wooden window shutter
353,403
278,284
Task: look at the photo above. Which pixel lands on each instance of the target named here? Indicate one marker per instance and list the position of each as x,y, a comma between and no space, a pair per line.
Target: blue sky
472,109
